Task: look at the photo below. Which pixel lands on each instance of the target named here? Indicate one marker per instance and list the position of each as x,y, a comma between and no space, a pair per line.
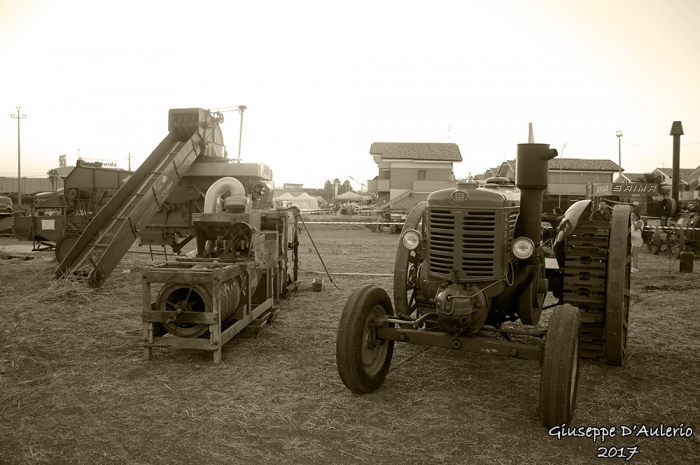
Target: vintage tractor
470,259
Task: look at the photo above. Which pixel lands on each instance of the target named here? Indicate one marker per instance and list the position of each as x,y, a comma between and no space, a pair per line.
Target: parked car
5,204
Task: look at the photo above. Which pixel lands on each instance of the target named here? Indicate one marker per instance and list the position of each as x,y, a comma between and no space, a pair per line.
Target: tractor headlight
523,248
411,239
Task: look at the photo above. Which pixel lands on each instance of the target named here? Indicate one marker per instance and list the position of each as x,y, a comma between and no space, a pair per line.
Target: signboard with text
292,187
105,163
625,189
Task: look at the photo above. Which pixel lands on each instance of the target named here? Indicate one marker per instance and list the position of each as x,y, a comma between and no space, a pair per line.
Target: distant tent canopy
349,195
303,201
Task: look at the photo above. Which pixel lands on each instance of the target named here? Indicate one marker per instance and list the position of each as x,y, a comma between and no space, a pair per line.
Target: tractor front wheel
363,360
560,366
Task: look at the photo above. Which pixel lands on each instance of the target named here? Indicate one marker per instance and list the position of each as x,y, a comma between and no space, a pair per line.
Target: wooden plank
237,327
182,343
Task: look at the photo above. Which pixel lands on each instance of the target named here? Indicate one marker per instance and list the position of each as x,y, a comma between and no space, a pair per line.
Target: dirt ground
74,388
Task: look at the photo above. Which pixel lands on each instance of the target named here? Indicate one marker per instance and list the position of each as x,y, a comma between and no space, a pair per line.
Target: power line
19,171
658,146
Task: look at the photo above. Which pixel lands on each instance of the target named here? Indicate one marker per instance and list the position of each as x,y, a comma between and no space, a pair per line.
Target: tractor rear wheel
560,366
617,289
406,262
362,359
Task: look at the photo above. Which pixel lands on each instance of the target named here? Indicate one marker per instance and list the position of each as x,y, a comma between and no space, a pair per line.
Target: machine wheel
676,241
617,288
560,366
654,244
178,298
363,361
64,244
406,262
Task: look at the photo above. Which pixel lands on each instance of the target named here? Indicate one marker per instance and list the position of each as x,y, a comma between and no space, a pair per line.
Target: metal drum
178,298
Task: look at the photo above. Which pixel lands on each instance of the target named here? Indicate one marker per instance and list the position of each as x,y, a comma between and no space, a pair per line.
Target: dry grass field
74,388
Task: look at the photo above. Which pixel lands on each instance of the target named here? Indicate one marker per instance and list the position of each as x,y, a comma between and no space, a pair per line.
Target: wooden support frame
210,274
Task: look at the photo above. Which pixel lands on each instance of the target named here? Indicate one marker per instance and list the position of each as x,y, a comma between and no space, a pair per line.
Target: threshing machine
57,219
158,203
470,259
246,250
231,285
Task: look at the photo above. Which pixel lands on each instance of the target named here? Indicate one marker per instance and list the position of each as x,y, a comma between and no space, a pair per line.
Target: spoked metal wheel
676,241
654,244
617,288
407,262
363,360
560,366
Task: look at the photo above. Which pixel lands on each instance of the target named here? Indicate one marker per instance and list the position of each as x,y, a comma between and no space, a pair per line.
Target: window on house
421,175
386,174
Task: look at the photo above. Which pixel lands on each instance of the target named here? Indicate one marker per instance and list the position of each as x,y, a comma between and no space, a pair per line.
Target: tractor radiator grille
463,241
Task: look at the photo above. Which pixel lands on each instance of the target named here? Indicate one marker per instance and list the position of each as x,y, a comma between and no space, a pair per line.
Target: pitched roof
577,164
694,175
683,172
417,150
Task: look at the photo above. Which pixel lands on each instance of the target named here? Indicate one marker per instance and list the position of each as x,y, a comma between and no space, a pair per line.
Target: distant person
603,212
637,241
557,211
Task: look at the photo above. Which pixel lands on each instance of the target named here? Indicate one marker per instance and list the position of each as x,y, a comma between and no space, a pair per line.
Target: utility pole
561,164
241,109
619,155
129,161
19,171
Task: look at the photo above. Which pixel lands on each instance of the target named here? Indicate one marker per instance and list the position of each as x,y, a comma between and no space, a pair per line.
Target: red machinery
57,219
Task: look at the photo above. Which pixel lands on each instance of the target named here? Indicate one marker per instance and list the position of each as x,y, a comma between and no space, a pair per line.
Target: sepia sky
323,80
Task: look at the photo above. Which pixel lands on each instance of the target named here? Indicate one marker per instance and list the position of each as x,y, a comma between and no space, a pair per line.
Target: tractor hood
491,196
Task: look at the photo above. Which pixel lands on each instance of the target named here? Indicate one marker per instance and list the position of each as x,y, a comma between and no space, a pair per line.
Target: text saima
635,187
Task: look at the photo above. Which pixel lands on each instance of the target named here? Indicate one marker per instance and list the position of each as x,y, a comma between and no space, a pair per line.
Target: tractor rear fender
581,210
